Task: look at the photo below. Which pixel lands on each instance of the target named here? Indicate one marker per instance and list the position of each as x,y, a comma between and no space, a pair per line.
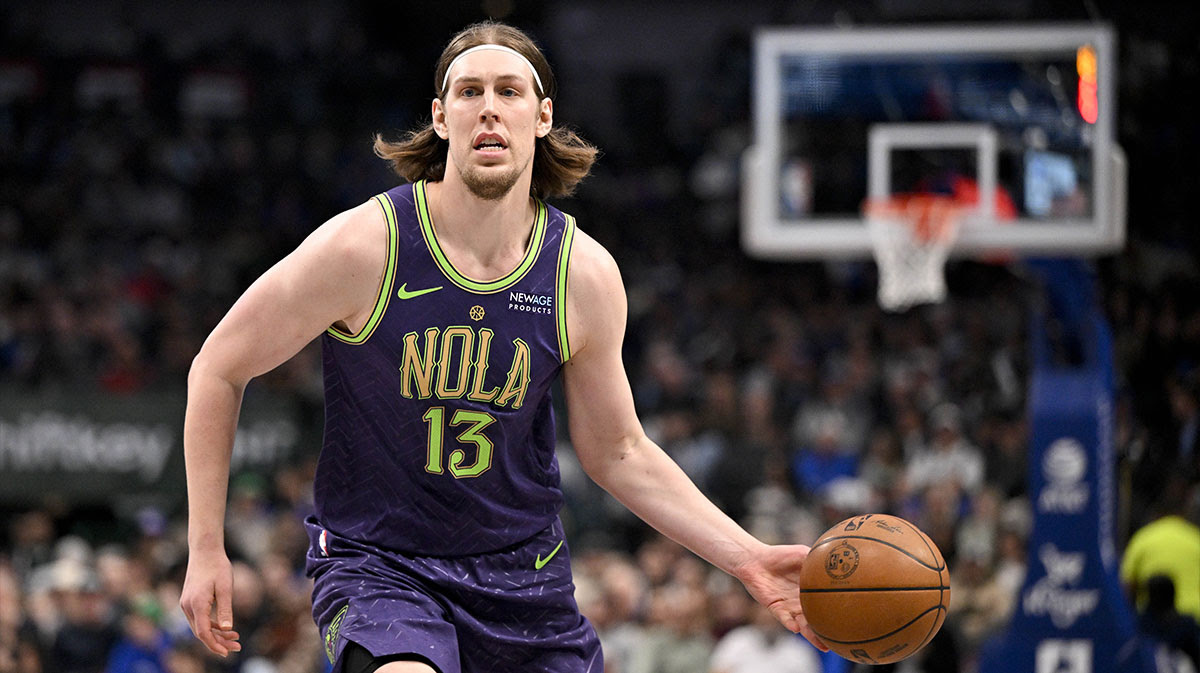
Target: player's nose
489,109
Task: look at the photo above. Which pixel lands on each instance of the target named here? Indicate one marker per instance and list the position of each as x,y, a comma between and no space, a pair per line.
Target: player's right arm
616,453
332,278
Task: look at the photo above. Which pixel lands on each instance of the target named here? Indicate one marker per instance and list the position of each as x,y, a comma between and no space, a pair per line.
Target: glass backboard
1017,120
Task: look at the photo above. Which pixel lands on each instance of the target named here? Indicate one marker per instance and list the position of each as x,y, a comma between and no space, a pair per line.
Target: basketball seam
933,628
886,635
860,589
938,569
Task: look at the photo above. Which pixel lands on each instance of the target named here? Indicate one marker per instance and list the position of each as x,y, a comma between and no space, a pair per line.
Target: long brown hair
561,159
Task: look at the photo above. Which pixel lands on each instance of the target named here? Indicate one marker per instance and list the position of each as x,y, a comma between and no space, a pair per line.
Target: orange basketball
875,588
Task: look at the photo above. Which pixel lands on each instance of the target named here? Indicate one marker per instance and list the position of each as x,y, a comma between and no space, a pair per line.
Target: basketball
875,588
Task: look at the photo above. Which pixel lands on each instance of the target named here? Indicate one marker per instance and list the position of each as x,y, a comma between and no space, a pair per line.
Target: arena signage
82,448
1071,614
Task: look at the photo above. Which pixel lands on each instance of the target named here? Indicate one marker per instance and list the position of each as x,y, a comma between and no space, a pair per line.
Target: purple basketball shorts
509,610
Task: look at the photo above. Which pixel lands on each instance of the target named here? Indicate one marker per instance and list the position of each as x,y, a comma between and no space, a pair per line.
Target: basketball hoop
911,235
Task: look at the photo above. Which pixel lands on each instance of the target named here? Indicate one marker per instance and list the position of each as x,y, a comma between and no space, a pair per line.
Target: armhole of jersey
385,285
560,287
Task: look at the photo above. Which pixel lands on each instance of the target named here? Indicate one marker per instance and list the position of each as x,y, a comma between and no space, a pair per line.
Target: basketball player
446,307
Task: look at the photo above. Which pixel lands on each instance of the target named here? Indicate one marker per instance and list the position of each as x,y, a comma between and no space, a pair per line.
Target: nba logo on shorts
1064,656
322,542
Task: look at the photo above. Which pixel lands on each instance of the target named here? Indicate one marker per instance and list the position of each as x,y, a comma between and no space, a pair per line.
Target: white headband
496,47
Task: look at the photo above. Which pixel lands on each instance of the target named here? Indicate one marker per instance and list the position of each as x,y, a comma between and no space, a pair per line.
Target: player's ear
438,113
545,118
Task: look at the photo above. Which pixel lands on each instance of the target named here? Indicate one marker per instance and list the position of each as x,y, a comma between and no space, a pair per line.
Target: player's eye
468,92
510,92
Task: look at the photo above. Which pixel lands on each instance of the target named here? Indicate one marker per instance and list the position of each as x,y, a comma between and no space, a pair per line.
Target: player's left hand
772,576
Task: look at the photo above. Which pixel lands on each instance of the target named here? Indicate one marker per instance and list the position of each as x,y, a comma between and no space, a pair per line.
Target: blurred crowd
140,195
68,603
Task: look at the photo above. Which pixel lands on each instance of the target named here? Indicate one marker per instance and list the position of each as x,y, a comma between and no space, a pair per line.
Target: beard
489,185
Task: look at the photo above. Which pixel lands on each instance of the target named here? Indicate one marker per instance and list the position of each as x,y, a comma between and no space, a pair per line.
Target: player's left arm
616,453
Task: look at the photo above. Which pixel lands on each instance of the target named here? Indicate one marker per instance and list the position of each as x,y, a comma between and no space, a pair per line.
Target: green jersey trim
453,274
385,285
560,287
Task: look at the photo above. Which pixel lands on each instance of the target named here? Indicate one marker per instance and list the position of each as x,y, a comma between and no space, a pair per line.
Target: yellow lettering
478,394
465,337
518,377
417,367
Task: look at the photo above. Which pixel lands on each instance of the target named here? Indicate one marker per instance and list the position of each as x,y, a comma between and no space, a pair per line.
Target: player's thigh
357,659
405,667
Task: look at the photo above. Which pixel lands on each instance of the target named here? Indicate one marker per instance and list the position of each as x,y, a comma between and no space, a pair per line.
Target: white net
912,238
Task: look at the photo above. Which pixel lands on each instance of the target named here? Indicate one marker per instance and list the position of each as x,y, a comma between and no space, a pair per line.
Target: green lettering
435,417
483,458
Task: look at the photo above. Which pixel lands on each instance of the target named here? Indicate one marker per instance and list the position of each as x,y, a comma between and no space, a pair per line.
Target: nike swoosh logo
405,293
541,562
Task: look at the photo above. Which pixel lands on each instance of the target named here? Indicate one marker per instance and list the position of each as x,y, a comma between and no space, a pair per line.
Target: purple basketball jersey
439,431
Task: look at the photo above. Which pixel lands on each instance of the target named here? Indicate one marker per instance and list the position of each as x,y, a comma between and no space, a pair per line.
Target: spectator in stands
1010,567
613,599
772,512
32,538
826,459
949,458
938,513
144,646
1169,545
980,604
1006,451
882,465
1184,396
185,657
1179,634
978,533
248,522
675,430
677,639
19,651
843,498
88,631
762,646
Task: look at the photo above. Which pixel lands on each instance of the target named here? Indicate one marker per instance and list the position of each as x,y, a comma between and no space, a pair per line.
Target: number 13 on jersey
435,418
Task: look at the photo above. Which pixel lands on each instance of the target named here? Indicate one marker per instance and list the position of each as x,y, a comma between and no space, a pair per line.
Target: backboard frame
766,234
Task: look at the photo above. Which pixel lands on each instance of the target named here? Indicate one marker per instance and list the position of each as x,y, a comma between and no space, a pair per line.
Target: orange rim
931,216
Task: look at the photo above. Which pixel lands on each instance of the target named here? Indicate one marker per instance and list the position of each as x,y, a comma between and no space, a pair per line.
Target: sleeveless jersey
439,428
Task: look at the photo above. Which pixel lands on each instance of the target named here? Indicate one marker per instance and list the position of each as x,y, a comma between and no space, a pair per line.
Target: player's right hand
207,601
772,576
